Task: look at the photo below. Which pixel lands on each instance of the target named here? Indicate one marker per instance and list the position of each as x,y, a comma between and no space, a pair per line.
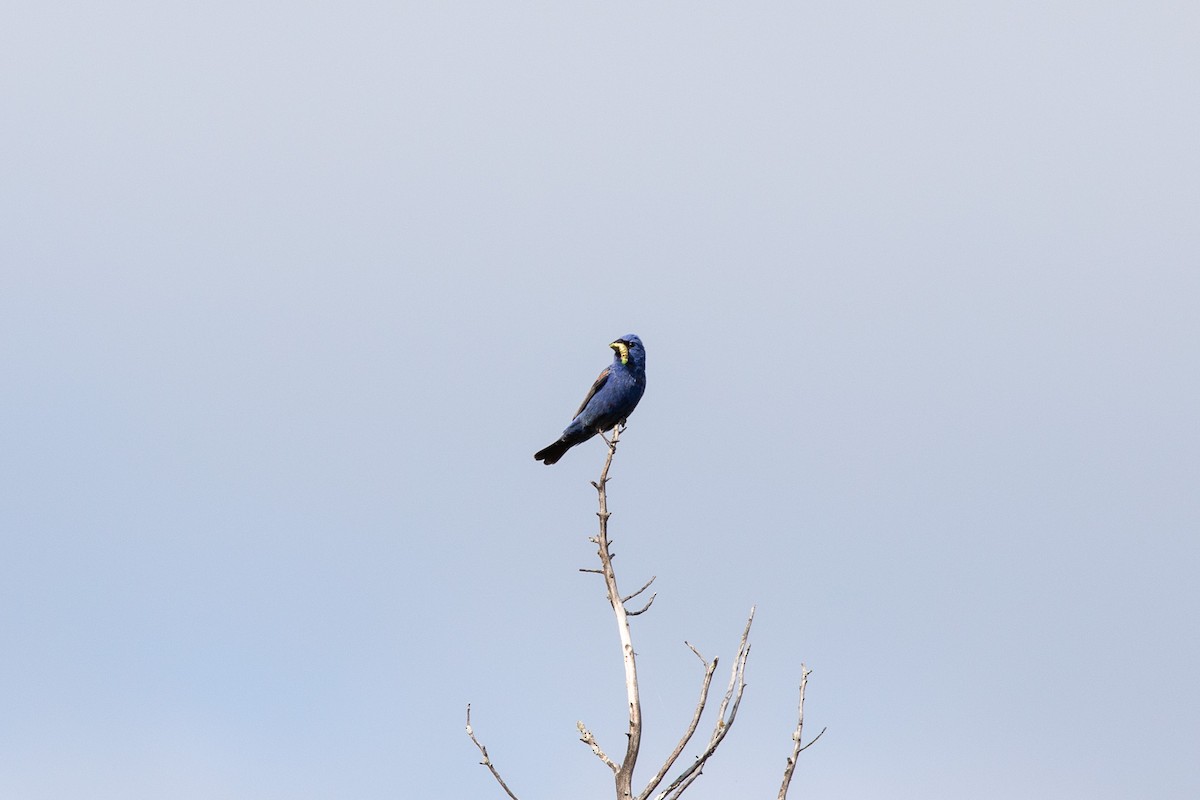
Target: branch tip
487,761
644,608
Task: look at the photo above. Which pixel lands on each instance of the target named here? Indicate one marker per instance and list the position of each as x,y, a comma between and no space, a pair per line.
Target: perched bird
613,397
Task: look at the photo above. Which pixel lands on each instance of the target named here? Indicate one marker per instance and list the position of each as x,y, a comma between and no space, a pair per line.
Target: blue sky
290,294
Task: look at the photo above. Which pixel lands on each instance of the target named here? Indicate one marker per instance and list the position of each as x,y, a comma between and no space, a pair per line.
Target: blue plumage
612,399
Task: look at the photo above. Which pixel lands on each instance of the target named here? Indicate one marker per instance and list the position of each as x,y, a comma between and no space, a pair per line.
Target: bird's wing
600,381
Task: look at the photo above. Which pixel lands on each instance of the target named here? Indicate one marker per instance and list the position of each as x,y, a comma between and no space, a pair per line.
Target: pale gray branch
726,712
487,761
644,608
587,738
703,660
624,773
814,739
686,783
797,735
709,669
645,586
726,715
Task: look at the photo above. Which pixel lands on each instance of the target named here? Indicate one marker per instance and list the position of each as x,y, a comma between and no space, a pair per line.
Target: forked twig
726,714
709,669
797,736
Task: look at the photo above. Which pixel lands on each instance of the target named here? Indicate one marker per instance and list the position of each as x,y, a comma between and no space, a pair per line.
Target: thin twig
814,739
645,586
733,694
644,608
709,669
686,783
587,738
487,761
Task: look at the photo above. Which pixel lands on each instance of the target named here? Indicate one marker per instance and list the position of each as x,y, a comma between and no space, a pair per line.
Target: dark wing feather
600,381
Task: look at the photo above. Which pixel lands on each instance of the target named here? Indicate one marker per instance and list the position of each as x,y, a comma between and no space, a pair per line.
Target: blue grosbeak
613,397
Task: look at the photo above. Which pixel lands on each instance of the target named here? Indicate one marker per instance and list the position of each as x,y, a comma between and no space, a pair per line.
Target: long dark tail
551,455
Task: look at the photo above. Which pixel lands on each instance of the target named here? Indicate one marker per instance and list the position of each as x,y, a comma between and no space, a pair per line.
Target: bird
611,400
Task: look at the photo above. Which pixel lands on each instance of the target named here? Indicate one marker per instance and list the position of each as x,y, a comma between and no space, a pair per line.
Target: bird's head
629,349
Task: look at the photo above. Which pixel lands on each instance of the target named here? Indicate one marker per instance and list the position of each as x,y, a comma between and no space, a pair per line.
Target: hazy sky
291,292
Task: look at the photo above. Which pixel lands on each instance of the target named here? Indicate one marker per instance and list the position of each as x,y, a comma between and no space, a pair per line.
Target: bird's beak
623,349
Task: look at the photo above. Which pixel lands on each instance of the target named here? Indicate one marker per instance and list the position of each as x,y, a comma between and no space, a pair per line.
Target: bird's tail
550,455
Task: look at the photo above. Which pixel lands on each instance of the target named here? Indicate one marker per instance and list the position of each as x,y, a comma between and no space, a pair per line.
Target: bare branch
726,715
686,783
814,740
487,761
586,737
644,608
797,735
709,669
645,586
624,773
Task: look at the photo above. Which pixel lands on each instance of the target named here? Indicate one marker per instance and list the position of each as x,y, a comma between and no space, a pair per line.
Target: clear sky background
291,292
